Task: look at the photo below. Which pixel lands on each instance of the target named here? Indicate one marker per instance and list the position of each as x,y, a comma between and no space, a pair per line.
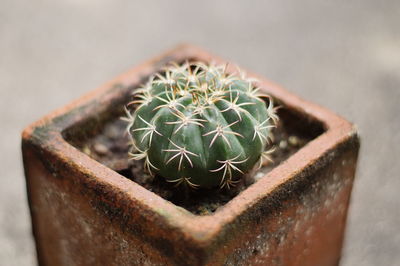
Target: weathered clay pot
84,213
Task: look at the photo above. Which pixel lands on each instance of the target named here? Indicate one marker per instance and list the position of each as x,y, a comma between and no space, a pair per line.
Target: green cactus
195,124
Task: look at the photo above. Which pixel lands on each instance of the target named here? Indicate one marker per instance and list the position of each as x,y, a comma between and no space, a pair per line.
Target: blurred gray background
344,55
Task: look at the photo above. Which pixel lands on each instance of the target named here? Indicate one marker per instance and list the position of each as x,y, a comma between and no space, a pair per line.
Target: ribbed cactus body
199,126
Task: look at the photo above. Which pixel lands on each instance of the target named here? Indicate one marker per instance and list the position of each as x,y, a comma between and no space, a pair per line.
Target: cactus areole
197,125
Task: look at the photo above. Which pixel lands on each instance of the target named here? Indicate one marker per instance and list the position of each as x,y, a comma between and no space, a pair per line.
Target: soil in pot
107,141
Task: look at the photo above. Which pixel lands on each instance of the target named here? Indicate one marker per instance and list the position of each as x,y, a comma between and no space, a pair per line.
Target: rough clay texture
307,229
85,214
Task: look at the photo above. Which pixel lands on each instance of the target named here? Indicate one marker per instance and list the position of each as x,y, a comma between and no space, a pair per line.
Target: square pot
85,213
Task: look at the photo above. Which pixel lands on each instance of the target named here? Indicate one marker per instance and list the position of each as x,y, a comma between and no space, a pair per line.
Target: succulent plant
195,124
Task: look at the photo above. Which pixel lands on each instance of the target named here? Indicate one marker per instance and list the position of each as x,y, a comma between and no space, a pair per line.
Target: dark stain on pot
310,180
119,212
104,139
312,192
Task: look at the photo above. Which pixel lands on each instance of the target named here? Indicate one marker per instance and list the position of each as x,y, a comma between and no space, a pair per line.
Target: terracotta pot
84,213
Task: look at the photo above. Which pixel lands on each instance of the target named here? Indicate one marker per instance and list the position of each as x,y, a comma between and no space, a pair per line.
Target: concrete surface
341,54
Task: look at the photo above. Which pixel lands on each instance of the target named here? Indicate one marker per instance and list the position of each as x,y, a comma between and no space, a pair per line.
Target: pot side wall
71,227
302,223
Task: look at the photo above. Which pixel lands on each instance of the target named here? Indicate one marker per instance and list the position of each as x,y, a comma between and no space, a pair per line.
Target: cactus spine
195,124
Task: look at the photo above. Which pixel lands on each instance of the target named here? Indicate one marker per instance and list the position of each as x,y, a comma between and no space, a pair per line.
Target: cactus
195,124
